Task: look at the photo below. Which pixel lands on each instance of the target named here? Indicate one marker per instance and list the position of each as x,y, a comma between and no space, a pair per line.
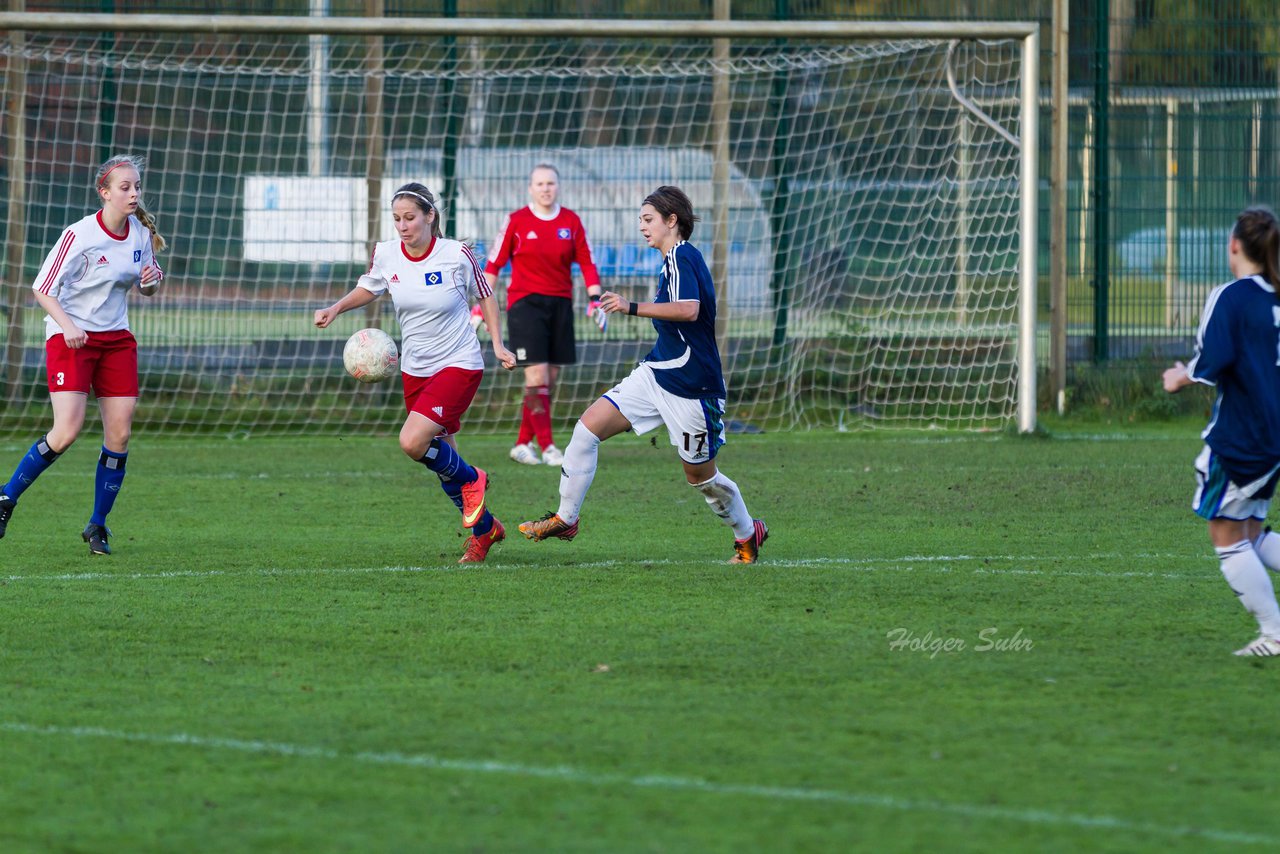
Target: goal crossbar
531,27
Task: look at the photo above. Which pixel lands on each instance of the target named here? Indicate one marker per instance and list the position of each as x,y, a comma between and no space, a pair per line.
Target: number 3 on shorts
62,378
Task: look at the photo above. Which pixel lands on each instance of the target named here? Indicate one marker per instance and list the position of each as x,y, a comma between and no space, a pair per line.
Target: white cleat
552,456
1263,646
525,454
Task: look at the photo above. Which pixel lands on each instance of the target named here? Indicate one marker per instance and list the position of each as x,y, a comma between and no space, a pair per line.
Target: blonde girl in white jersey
83,286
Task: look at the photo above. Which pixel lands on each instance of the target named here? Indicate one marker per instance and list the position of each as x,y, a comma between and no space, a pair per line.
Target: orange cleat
550,525
473,499
478,547
748,550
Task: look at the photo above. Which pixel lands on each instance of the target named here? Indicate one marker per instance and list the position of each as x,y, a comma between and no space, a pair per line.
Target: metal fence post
1101,180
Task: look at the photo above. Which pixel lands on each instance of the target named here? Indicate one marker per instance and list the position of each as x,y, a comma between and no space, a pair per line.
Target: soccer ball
370,356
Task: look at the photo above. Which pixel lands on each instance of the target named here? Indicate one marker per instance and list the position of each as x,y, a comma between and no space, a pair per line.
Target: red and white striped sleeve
374,280
481,283
55,264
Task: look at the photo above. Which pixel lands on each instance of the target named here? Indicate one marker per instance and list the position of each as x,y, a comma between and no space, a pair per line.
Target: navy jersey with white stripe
685,359
1238,350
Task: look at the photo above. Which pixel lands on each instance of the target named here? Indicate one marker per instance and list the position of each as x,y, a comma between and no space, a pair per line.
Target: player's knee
117,441
62,437
413,444
583,438
718,495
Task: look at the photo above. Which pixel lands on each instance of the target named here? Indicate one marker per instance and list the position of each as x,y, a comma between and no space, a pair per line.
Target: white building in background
307,220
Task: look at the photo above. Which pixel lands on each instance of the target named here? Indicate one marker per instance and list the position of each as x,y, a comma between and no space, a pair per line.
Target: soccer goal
867,194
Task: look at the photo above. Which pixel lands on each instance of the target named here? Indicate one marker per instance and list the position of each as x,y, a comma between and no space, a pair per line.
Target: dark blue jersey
1238,350
686,360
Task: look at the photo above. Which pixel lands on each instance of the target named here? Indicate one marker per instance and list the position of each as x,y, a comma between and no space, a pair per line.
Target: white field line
943,564
568,774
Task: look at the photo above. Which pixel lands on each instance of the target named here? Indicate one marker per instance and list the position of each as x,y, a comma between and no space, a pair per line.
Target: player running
1236,472
431,280
83,286
679,384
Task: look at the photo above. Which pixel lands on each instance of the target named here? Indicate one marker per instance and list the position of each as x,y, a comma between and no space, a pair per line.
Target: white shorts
1219,497
696,426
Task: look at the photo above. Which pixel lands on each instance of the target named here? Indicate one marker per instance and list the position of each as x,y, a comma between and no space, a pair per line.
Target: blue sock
107,485
37,459
442,459
453,489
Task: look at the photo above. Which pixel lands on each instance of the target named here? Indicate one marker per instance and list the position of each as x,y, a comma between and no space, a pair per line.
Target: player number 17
702,437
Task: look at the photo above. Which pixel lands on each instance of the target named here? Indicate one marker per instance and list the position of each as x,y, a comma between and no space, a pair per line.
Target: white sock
724,498
1268,548
1249,581
577,471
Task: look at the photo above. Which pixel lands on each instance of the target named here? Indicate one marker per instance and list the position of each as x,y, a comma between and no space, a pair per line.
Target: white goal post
867,190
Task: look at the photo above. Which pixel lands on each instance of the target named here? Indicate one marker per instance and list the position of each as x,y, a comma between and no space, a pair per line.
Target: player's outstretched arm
356,298
684,311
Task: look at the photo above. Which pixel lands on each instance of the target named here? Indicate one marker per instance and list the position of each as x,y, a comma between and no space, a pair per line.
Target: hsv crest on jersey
103,260
564,233
137,255
434,278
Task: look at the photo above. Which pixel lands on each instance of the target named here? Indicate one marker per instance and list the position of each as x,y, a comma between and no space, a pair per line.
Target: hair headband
102,182
415,195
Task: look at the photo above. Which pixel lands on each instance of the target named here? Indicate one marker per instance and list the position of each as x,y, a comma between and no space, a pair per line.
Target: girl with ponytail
83,286
1238,352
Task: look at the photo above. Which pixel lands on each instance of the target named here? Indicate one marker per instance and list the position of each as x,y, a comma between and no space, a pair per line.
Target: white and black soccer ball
371,356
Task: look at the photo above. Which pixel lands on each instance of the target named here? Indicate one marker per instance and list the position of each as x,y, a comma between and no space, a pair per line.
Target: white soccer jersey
432,296
90,271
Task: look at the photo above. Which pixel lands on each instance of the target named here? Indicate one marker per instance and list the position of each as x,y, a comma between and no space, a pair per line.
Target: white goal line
567,774
939,564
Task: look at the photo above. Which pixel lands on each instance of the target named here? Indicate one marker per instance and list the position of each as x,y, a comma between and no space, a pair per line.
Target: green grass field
283,655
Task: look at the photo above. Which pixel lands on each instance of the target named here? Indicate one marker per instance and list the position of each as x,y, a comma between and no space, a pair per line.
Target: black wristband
633,308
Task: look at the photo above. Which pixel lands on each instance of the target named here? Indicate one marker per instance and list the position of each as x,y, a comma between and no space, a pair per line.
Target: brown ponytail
158,243
1259,234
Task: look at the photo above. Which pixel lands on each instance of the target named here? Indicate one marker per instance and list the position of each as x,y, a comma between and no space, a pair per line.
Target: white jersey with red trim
90,271
432,296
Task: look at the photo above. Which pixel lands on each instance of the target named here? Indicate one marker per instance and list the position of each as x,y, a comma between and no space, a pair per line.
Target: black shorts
540,329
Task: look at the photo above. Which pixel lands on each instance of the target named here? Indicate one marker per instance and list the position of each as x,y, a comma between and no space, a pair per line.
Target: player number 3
62,379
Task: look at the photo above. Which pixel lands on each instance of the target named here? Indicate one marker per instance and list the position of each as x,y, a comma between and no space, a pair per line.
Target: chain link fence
1174,127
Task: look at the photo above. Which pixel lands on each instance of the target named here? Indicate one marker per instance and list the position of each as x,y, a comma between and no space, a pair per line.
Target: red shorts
107,363
442,397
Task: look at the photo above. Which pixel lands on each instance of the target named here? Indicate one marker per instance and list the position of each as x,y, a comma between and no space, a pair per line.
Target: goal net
861,201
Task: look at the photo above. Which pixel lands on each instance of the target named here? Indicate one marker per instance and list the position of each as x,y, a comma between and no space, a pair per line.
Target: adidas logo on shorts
438,410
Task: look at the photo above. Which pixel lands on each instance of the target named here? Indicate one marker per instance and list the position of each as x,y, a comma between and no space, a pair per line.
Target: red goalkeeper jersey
541,252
